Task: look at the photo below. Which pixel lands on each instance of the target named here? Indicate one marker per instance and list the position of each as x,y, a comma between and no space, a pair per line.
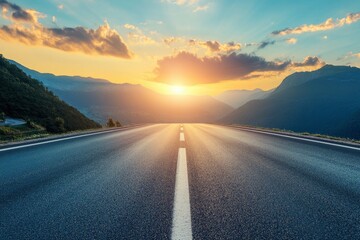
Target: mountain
325,101
237,98
129,103
63,82
26,98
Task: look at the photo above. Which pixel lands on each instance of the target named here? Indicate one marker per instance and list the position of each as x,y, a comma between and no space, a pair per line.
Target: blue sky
143,27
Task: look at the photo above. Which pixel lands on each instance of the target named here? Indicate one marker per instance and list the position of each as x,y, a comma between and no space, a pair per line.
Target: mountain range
325,101
24,97
237,98
100,99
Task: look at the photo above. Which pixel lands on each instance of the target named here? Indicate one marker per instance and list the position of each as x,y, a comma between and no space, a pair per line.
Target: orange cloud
188,69
327,25
137,36
170,40
101,41
215,46
18,14
212,46
27,29
291,40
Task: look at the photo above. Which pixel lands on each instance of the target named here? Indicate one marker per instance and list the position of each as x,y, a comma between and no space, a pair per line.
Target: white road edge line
182,137
303,139
55,140
181,222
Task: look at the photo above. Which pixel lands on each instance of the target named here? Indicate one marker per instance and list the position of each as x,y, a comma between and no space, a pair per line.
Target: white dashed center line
182,137
181,224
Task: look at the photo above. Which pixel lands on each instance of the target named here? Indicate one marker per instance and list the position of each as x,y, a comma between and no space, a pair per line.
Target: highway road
165,181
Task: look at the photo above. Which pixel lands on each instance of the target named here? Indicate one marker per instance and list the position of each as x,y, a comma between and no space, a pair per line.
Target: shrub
110,123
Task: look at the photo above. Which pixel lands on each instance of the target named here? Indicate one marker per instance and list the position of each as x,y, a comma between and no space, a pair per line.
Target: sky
196,47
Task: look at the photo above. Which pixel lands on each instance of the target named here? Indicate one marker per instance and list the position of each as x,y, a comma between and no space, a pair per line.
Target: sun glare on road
178,90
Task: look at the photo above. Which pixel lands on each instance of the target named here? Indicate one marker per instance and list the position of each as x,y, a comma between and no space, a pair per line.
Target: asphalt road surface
170,182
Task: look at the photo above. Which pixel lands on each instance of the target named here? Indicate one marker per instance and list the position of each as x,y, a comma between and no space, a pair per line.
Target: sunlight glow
178,90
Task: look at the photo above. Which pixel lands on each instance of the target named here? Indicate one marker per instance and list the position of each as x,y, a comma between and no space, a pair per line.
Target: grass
34,131
21,132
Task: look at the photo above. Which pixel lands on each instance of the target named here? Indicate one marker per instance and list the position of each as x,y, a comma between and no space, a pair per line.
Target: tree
118,124
2,116
55,125
59,123
110,123
24,97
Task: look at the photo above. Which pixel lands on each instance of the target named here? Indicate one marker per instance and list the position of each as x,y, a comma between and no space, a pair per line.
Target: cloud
19,14
327,25
130,26
171,40
181,2
215,46
267,43
291,40
211,46
349,55
137,36
100,41
308,62
201,8
53,19
188,69
60,6
264,44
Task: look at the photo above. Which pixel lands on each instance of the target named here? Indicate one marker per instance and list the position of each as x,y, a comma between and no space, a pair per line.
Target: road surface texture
169,181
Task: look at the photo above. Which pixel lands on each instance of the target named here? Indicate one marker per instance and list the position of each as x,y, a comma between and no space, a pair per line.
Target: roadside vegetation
2,116
29,130
26,98
113,123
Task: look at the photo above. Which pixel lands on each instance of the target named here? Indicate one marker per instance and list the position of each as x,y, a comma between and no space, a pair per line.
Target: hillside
99,99
24,97
325,101
237,98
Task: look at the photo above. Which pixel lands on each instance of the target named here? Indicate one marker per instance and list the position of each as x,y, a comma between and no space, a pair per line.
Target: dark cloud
100,41
284,31
18,13
309,61
26,37
264,44
188,69
214,46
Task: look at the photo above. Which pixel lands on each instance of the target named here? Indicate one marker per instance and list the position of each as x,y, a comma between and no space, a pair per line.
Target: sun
176,89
